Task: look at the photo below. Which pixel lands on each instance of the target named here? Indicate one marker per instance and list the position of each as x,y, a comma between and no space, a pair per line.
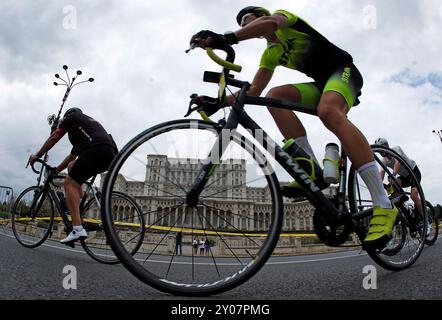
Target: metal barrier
6,202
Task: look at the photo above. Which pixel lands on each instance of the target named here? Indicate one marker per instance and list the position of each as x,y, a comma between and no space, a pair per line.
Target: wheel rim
129,221
407,245
32,227
157,263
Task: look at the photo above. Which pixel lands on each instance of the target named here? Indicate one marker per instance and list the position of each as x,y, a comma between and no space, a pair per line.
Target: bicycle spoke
210,248
235,229
233,187
170,229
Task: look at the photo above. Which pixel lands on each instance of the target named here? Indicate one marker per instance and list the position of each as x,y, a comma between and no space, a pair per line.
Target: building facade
229,201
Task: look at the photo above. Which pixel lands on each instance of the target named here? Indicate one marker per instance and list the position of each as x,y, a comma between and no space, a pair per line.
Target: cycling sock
370,174
304,144
78,228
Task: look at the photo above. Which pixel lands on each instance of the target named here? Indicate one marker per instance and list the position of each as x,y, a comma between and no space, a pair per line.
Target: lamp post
438,133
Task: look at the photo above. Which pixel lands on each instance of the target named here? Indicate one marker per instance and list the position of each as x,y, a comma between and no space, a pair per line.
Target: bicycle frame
238,116
335,213
54,197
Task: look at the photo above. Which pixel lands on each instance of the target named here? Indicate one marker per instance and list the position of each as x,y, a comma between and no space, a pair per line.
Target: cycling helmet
250,9
381,141
71,110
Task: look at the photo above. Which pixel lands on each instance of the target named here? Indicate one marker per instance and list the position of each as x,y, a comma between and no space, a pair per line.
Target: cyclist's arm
259,83
396,167
64,164
262,26
50,142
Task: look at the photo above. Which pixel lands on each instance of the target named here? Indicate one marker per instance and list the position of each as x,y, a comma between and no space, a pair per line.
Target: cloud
407,77
136,54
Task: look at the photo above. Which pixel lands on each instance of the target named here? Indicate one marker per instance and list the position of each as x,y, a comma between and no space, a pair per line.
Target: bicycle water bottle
331,163
302,158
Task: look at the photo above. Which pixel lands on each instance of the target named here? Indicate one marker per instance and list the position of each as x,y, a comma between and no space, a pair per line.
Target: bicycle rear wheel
159,166
32,217
408,232
433,225
129,226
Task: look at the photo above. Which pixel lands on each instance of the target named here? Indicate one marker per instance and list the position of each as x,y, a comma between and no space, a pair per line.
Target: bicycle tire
191,289
434,227
98,250
20,215
392,260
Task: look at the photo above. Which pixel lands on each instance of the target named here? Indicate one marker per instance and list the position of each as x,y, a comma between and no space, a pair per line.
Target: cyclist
403,177
92,152
294,44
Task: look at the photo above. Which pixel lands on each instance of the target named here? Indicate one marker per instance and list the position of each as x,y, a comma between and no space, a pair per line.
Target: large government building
230,201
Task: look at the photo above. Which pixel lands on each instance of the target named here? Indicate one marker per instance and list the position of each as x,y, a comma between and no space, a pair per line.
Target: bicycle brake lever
192,101
192,46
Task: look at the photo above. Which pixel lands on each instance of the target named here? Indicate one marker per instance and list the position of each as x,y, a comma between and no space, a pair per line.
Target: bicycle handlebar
43,163
224,63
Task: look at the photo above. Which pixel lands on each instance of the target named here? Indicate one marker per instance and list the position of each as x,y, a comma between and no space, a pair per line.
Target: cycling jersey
302,48
84,132
402,171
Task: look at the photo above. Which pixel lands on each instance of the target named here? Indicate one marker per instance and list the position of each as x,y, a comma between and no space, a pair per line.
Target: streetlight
439,134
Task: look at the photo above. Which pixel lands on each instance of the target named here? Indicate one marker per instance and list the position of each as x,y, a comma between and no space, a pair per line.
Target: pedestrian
207,246
201,246
195,246
179,243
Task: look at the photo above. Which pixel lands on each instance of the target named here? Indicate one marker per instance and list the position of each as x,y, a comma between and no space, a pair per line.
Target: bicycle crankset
330,233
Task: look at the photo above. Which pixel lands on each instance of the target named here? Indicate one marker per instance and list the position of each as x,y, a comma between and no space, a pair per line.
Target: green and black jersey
304,49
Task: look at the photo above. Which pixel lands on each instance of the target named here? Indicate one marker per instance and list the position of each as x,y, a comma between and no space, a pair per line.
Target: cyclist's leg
340,94
91,162
414,190
73,196
291,127
72,187
288,123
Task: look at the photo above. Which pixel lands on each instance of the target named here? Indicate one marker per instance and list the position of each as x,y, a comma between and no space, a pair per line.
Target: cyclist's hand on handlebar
211,105
206,38
208,104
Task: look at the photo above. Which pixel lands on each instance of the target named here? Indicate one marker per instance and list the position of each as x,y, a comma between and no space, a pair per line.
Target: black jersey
84,132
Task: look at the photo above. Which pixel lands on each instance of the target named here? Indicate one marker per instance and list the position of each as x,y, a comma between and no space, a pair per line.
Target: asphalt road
38,274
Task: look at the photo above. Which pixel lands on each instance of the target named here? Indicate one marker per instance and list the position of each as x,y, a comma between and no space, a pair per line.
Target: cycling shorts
91,162
346,80
406,181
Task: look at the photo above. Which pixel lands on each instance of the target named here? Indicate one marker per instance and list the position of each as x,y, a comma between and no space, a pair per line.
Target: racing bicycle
219,180
35,218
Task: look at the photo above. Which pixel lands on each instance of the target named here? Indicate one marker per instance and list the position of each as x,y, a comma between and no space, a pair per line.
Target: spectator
207,246
179,243
201,245
195,246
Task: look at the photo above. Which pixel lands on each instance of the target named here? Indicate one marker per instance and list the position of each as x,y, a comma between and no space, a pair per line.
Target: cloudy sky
135,51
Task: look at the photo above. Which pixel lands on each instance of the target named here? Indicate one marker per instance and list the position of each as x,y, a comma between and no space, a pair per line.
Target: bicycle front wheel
32,217
235,225
409,231
129,226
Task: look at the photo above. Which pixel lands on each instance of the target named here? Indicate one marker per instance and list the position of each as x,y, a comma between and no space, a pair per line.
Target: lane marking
219,264
362,254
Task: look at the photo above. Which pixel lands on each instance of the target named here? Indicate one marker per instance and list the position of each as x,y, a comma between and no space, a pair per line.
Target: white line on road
219,264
